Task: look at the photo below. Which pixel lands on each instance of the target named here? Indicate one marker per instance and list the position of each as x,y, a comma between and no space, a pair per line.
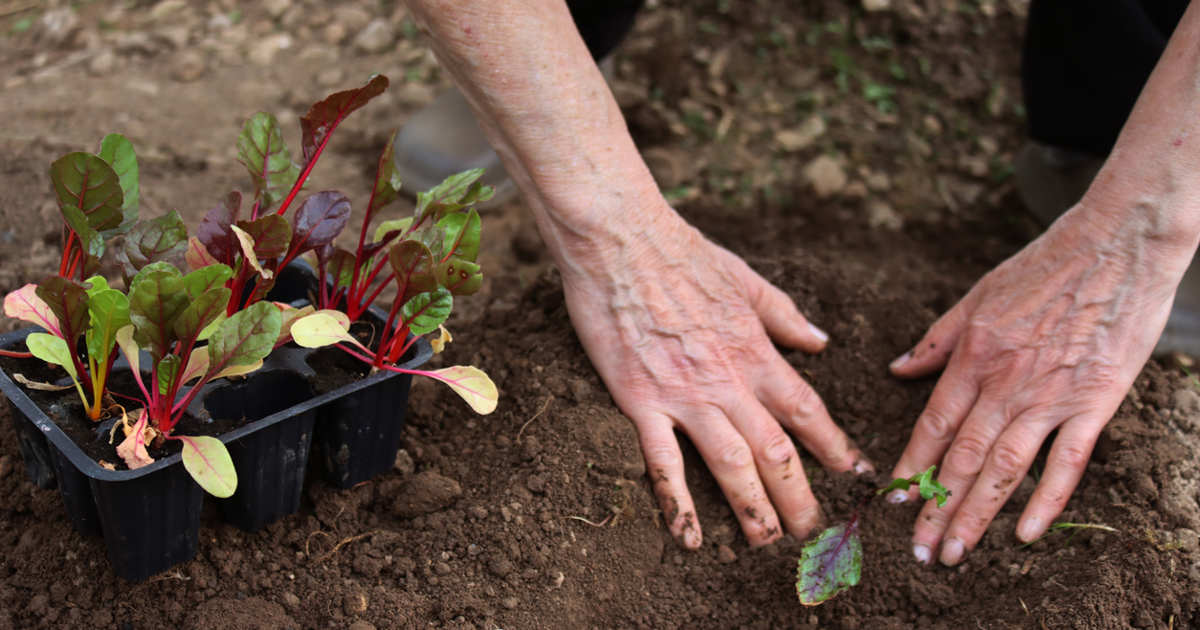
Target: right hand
681,331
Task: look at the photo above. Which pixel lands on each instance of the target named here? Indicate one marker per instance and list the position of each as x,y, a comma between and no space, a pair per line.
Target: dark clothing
1084,64
603,23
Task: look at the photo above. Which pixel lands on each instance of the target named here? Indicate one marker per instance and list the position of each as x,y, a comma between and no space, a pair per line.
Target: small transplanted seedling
832,562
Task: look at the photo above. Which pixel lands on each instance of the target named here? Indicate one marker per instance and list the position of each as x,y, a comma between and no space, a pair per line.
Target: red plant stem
361,306
76,258
66,254
388,331
16,355
409,341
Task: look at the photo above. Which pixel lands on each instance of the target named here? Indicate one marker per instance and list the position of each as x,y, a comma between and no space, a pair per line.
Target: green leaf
462,234
394,225
167,370
454,193
92,241
414,268
156,297
829,564
426,311
162,238
929,487
87,183
108,312
201,311
246,337
68,300
205,279
52,350
118,152
461,277
264,153
271,234
340,268
207,460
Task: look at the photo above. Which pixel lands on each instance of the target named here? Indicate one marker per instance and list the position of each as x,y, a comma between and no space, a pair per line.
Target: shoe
1052,179
443,139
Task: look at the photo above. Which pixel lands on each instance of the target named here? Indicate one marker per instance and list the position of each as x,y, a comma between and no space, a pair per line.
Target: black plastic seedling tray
150,517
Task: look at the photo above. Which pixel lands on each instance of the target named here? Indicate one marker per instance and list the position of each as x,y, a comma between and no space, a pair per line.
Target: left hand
1052,339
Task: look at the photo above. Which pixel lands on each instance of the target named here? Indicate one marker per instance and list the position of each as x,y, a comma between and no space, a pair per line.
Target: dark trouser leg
1084,64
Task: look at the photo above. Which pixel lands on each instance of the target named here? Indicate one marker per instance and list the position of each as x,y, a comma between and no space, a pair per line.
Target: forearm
548,112
1151,181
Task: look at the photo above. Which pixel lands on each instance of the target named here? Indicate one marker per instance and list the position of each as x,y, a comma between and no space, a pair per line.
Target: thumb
934,349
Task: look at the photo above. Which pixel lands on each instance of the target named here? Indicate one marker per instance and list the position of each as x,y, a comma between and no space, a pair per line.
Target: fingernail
691,538
898,497
901,360
952,551
818,333
862,467
1029,529
921,553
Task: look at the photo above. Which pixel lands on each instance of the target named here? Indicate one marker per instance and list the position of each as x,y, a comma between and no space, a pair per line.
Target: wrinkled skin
1051,340
681,332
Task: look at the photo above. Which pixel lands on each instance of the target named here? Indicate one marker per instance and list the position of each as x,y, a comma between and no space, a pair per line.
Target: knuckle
938,423
971,523
735,456
778,450
967,455
1008,458
1056,497
801,403
661,455
1072,456
805,518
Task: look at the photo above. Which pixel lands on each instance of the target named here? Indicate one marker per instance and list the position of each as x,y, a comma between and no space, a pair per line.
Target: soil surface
860,160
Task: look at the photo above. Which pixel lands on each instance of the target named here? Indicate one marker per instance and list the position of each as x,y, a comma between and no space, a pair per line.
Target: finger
1064,466
731,461
779,315
1007,462
934,349
961,466
664,464
779,467
952,399
798,407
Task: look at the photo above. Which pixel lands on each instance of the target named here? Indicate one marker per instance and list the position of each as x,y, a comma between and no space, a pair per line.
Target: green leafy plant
428,259
832,562
97,195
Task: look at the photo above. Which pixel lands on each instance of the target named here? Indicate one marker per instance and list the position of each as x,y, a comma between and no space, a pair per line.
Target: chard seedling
97,195
832,562
428,258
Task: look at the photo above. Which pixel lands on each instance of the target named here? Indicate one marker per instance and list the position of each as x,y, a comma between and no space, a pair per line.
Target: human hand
1050,340
680,330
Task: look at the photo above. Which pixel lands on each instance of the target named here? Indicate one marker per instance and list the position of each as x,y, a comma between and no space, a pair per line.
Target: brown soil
540,516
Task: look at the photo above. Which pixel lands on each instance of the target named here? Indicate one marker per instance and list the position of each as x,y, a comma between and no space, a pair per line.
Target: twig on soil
1023,606
19,7
173,575
535,417
307,553
344,542
592,523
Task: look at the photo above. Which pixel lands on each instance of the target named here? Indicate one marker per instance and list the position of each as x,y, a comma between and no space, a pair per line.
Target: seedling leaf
87,183
271,234
471,384
53,350
118,152
68,300
387,181
214,231
323,117
323,328
929,487
133,448
197,255
25,305
207,461
264,153
245,338
413,264
829,564
461,277
156,297
159,239
394,225
462,234
319,220
108,312
426,311
247,244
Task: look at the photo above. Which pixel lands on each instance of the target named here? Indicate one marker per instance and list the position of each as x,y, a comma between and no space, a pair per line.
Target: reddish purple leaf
215,231
319,220
323,117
